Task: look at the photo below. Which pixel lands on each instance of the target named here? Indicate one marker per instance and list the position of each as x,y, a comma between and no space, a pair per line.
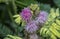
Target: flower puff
31,27
42,18
26,14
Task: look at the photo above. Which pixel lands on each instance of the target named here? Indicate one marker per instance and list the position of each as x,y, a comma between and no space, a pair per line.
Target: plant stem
14,6
18,2
10,13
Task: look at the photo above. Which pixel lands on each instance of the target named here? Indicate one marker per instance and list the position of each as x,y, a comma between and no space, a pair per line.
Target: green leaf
57,2
16,15
18,19
57,12
12,37
5,30
34,6
45,7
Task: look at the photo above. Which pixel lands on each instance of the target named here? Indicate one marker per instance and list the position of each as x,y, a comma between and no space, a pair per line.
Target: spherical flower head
42,18
26,14
31,27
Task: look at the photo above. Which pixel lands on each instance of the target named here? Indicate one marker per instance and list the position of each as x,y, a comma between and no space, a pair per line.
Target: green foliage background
9,8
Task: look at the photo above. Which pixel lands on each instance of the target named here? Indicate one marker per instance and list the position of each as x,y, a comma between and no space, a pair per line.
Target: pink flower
26,14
